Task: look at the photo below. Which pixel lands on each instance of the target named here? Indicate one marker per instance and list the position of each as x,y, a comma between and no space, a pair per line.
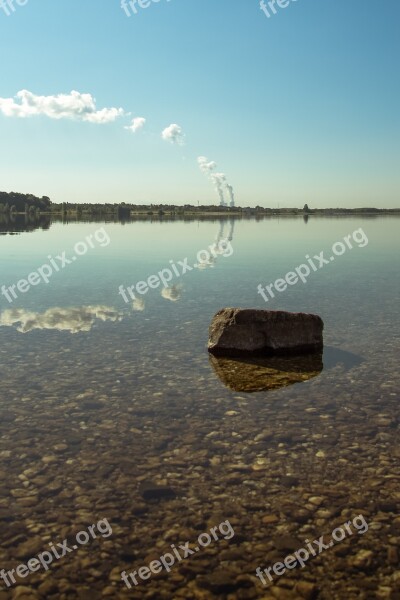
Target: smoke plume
219,180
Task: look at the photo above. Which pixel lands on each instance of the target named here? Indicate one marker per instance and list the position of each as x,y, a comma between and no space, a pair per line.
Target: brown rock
281,593
236,331
270,519
393,555
24,593
286,542
47,587
362,559
218,582
29,548
307,590
153,491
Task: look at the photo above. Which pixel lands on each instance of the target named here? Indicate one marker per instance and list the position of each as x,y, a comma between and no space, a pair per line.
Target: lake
105,393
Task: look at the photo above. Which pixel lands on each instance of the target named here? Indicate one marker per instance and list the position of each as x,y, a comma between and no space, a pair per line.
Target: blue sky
299,107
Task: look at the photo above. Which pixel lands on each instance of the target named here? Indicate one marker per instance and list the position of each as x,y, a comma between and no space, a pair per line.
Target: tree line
14,202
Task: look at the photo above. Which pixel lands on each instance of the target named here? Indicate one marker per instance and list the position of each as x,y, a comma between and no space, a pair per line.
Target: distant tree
306,209
23,202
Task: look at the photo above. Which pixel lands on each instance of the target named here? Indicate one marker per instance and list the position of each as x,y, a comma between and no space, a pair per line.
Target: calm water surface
100,395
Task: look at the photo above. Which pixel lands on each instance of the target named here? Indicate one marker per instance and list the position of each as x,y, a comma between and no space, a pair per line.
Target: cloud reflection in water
74,320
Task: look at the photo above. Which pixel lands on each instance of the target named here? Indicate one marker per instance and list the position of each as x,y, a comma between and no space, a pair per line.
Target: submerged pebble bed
86,418
91,421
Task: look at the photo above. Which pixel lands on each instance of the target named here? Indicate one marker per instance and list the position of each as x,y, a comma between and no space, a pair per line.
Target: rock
286,542
307,590
268,519
316,500
219,582
60,447
47,587
88,594
289,481
23,592
281,593
393,555
387,506
257,374
49,459
152,491
362,559
236,331
29,548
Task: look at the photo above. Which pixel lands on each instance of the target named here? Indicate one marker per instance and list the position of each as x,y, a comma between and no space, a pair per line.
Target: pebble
362,559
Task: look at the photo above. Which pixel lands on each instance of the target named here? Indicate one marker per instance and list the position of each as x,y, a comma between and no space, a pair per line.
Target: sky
301,106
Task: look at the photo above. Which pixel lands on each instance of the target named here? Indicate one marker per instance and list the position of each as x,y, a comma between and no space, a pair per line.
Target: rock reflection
266,373
74,320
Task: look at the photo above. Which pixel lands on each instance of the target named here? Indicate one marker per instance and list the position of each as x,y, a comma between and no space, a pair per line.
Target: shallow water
99,395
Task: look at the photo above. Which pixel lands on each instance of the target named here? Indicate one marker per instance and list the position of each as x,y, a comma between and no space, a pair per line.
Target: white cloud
137,123
63,106
205,165
174,134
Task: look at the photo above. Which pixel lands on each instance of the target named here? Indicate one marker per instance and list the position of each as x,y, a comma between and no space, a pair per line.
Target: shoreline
217,214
